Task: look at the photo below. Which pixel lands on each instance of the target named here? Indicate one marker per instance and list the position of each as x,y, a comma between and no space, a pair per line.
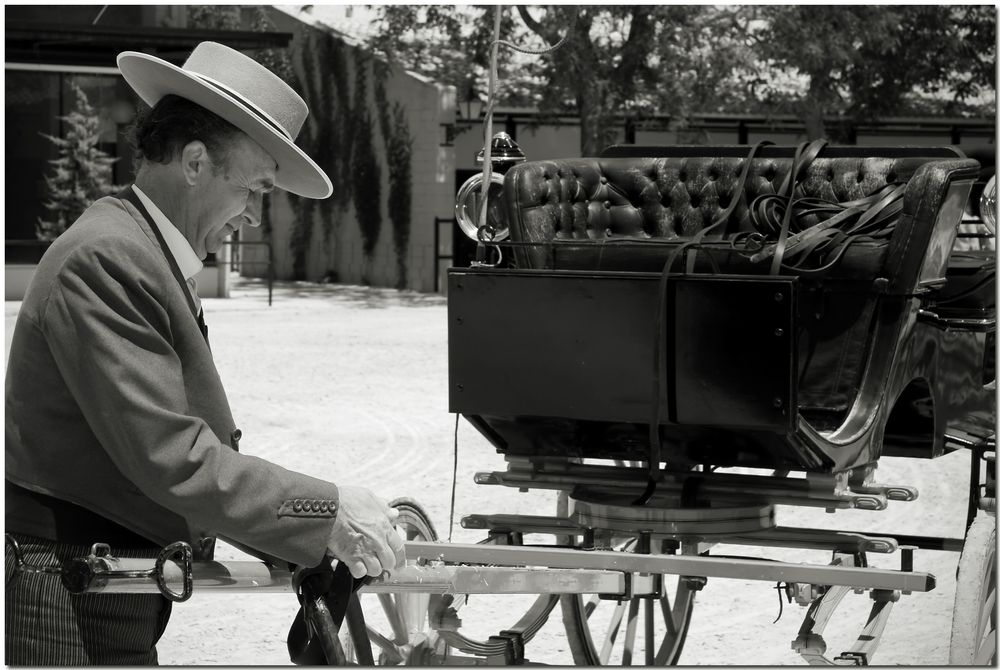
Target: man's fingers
397,546
372,565
357,568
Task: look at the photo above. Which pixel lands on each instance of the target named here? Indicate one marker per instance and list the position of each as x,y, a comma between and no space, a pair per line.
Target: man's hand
364,537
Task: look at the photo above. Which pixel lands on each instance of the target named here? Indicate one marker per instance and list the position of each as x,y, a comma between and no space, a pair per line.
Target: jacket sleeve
107,324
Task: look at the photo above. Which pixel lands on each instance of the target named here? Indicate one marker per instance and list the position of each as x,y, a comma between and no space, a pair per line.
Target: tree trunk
812,117
594,130
818,99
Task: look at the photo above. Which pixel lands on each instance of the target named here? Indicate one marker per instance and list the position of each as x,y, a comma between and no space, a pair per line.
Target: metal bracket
20,565
627,590
172,551
513,653
93,572
851,658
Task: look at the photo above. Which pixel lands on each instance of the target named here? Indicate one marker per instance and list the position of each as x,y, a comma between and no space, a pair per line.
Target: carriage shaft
501,569
254,577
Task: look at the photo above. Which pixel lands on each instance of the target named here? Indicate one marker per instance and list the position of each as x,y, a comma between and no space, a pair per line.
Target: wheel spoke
986,613
668,615
591,606
399,632
630,626
612,634
649,632
387,646
677,620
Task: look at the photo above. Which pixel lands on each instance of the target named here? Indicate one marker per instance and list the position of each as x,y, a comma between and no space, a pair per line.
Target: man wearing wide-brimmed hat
117,425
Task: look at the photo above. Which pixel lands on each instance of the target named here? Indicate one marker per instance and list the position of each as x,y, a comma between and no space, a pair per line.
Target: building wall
335,249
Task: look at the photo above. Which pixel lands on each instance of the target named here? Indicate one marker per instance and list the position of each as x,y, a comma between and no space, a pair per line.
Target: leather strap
661,334
128,194
811,235
332,588
804,155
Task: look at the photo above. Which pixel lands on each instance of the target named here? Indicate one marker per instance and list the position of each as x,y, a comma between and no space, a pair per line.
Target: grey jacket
113,402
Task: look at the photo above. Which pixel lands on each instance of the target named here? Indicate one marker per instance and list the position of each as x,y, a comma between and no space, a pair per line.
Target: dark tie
193,288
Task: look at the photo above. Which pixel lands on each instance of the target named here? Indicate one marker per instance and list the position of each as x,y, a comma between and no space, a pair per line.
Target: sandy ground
350,384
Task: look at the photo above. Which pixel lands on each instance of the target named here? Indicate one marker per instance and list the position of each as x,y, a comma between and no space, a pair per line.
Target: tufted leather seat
558,204
577,212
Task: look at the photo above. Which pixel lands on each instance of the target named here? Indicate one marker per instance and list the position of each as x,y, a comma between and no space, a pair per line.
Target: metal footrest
843,490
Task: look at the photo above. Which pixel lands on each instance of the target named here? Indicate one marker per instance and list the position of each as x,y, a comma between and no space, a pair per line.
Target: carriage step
779,536
890,491
830,491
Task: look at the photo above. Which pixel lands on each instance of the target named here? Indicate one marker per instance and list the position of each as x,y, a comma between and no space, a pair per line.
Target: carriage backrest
677,191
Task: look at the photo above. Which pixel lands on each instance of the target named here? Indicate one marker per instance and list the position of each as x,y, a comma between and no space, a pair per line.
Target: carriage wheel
396,623
602,632
594,626
974,622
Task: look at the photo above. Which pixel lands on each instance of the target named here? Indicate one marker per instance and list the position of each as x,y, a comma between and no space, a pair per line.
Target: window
34,99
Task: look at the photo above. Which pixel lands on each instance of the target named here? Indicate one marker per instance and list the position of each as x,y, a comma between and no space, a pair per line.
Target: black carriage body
557,358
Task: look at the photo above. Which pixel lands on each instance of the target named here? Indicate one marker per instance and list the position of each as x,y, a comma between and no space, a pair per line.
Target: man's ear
195,164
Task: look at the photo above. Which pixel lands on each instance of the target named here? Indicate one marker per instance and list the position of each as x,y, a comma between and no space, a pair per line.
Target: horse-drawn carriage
682,339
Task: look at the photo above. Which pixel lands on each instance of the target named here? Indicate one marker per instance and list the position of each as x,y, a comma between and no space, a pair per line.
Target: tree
215,17
615,60
862,61
81,174
853,61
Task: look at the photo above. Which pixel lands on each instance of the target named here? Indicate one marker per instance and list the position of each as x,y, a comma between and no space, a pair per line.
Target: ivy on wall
302,224
330,136
277,61
366,171
338,124
340,135
399,146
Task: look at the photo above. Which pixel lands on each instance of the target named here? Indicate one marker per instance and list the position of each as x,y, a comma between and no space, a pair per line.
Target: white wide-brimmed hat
243,92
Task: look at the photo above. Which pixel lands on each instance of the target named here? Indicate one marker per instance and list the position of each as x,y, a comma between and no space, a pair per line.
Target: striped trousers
47,625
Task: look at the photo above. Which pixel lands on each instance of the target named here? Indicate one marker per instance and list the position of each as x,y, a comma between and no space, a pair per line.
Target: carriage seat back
562,205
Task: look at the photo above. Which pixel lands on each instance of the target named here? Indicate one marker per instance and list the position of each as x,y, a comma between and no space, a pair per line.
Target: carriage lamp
471,107
988,205
504,154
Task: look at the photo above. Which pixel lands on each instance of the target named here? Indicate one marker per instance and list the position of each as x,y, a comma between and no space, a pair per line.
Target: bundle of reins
802,235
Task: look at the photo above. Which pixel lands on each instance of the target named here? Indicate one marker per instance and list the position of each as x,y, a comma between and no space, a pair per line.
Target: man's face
232,195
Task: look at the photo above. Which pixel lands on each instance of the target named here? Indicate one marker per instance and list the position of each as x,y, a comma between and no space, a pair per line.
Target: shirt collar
180,248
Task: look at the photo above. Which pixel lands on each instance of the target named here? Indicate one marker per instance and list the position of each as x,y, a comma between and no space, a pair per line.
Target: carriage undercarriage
625,576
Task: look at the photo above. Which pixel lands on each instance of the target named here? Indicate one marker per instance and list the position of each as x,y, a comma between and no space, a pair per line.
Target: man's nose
252,212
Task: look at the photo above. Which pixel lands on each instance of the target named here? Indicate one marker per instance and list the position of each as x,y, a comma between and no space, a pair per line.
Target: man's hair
160,134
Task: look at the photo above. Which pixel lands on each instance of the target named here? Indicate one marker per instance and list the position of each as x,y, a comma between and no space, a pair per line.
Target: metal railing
438,256
24,251
237,261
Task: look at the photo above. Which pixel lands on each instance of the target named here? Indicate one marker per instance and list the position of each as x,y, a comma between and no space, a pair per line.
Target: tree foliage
856,62
862,61
82,172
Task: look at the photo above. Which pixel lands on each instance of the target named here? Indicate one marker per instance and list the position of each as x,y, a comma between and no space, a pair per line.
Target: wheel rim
986,630
397,623
974,621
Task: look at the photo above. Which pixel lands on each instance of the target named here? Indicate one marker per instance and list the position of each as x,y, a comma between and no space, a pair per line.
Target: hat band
259,113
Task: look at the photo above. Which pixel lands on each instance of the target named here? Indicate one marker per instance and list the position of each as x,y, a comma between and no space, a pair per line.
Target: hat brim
152,78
